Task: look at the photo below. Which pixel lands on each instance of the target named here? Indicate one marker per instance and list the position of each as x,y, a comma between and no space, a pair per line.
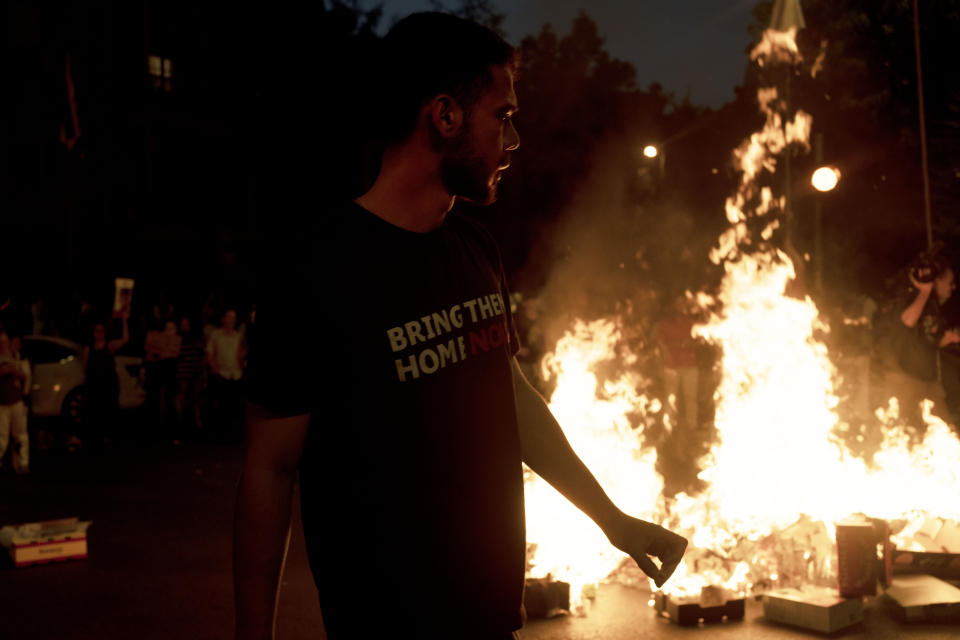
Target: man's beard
464,173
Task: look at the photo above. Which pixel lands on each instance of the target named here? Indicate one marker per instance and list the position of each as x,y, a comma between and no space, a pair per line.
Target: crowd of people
192,371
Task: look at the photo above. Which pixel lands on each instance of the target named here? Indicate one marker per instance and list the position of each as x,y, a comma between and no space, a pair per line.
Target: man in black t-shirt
384,372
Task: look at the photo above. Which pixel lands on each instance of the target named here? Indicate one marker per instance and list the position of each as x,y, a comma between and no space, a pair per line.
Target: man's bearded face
466,172
475,158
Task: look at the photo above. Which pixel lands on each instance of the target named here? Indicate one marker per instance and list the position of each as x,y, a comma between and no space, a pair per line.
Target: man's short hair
430,53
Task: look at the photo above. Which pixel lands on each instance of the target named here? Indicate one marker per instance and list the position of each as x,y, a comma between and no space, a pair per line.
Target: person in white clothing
14,381
226,358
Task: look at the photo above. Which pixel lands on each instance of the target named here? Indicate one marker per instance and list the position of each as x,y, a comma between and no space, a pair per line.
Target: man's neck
408,192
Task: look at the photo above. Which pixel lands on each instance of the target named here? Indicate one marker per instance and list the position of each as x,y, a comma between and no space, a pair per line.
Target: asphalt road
159,563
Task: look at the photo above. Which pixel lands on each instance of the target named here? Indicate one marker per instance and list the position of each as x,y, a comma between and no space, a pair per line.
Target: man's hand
546,450
641,539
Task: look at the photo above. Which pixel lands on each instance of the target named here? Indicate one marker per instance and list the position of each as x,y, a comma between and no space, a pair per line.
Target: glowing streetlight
650,151
825,179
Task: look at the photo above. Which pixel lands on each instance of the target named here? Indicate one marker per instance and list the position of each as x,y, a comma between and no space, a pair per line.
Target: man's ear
446,114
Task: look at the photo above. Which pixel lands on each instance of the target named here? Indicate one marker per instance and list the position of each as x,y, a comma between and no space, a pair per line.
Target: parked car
57,386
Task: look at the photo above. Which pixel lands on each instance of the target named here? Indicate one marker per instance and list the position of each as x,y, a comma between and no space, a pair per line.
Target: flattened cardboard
815,608
924,598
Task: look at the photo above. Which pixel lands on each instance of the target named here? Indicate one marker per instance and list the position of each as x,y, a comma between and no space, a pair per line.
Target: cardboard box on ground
934,549
48,541
815,608
922,598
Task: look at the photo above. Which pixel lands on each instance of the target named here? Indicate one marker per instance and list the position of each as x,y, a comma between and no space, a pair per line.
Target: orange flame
776,479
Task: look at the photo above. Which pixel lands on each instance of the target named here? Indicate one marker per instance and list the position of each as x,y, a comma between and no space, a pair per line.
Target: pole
928,216
788,187
818,220
662,159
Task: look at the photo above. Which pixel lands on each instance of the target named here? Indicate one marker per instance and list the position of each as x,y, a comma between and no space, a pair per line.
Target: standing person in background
211,314
14,382
101,389
189,377
681,376
162,350
226,357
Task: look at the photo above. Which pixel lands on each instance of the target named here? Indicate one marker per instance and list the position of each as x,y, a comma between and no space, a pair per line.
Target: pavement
159,563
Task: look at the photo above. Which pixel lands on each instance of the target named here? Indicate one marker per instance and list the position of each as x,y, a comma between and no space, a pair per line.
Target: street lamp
825,179
654,153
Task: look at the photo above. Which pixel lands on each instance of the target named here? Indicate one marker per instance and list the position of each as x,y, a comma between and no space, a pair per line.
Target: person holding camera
926,333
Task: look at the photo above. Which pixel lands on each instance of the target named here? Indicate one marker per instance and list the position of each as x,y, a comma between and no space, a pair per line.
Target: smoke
622,247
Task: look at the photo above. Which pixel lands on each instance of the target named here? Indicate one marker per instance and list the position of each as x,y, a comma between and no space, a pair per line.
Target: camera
924,269
927,266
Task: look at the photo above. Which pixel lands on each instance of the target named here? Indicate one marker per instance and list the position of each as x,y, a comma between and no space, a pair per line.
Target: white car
57,385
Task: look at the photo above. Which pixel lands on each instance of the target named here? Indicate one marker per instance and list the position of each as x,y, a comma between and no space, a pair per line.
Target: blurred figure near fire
923,337
14,385
404,408
681,375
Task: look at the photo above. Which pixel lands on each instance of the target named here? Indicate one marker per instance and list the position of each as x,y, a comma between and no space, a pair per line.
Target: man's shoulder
474,231
464,223
339,214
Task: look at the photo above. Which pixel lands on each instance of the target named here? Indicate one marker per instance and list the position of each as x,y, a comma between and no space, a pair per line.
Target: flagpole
928,216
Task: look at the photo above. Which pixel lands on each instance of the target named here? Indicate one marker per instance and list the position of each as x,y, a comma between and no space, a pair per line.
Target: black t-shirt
399,344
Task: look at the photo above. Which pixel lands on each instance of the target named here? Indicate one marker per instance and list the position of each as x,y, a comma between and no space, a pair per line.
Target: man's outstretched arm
273,446
545,450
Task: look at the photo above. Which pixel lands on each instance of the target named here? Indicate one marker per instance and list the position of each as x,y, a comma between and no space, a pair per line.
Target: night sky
694,48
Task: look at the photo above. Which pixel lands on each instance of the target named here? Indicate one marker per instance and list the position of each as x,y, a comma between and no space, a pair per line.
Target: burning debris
863,557
545,597
933,549
713,605
596,416
777,478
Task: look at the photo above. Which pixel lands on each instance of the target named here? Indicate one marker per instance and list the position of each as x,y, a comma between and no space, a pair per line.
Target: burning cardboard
924,598
775,393
713,606
863,556
933,549
43,542
545,598
815,608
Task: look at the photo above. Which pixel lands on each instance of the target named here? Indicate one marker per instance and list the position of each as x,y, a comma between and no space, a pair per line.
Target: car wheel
73,407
